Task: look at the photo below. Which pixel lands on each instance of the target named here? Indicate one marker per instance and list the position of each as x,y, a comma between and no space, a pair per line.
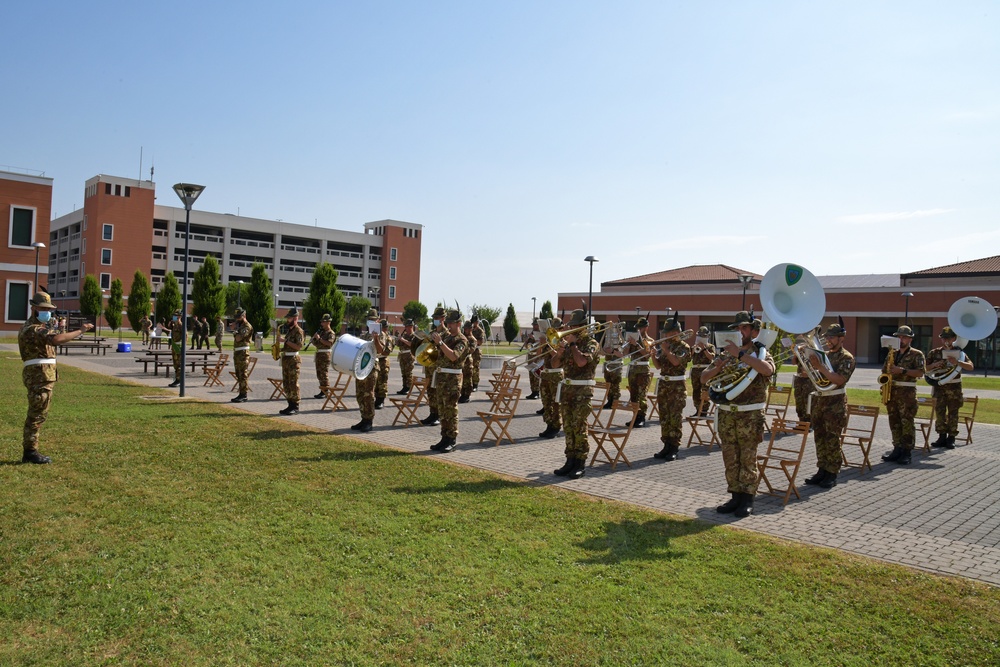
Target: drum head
354,355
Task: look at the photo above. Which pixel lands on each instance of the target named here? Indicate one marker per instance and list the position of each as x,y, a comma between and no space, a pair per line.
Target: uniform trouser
322,361
638,384
902,408
467,371
406,369
175,356
240,361
290,377
949,401
671,397
365,392
39,399
477,360
696,387
534,382
614,380
802,387
553,414
204,340
829,416
574,403
145,337
448,390
382,385
741,433
432,392
218,340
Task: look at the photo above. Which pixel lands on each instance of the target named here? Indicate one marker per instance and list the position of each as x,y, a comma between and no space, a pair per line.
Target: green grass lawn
185,533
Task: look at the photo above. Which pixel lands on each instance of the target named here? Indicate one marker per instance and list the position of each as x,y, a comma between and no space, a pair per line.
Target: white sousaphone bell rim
983,318
354,355
797,308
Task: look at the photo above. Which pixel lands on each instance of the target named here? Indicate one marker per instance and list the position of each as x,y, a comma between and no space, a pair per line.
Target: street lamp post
906,315
188,193
373,292
37,245
532,309
239,294
745,279
590,259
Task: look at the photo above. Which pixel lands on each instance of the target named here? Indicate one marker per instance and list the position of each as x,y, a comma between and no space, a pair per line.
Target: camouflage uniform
39,378
638,375
382,385
671,394
551,377
699,362
741,432
469,366
144,326
534,377
204,331
220,328
575,398
323,341
948,398
802,387
477,353
432,400
176,343
902,405
405,359
613,375
365,389
242,337
449,384
290,363
829,415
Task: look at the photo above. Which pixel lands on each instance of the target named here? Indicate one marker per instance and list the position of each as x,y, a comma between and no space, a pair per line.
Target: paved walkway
940,514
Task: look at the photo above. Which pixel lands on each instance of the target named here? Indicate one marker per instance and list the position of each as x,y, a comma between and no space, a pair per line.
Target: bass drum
355,356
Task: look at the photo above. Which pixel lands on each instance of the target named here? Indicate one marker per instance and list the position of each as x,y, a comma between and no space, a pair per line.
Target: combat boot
175,383
829,481
35,457
578,470
941,441
745,506
403,391
818,478
319,395
239,398
365,426
894,455
730,505
532,396
949,443
290,410
640,420
564,470
357,427
448,445
463,399
904,457
668,453
378,403
430,420
549,433
610,404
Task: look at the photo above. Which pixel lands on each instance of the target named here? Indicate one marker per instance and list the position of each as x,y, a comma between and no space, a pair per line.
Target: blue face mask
175,318
437,323
44,315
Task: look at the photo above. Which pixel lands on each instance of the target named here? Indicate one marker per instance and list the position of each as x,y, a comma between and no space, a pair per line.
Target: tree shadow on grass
275,434
626,541
483,486
352,455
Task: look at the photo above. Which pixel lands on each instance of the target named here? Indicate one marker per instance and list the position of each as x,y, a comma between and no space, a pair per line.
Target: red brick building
25,209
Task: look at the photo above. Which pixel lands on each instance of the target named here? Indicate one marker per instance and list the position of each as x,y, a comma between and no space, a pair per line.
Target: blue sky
850,137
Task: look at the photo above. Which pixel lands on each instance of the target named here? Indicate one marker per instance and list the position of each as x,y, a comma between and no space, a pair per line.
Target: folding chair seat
251,364
406,406
967,416
279,390
615,432
598,402
785,457
213,372
497,421
704,423
778,399
859,432
925,419
335,392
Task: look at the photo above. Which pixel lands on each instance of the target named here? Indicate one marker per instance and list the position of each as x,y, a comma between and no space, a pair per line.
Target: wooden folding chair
279,390
785,457
615,432
497,421
335,392
778,399
654,408
505,379
251,364
406,406
213,371
925,419
859,432
967,416
697,423
597,402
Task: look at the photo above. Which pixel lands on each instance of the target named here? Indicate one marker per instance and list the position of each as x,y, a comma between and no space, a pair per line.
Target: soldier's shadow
628,540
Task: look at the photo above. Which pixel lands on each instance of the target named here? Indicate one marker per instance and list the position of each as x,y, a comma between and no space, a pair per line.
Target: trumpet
648,349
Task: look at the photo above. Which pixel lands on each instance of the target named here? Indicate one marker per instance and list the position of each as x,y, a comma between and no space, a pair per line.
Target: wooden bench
95,348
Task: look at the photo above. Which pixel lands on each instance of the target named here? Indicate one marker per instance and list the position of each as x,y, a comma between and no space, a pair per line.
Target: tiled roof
699,273
975,267
863,281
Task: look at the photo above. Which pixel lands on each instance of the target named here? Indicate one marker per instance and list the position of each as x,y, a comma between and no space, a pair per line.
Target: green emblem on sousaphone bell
793,274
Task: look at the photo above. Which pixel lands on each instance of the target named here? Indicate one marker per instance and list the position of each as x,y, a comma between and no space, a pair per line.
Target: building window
106,256
105,281
83,246
84,223
392,254
17,302
392,291
392,273
22,227
108,232
107,188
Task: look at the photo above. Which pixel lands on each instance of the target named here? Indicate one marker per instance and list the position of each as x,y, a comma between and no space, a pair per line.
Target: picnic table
164,359
95,345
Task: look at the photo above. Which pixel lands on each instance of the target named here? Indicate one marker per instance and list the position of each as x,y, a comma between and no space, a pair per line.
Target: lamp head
188,193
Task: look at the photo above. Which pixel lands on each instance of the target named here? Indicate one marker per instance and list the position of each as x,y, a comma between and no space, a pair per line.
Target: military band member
453,348
291,342
176,328
437,326
638,371
702,355
468,367
612,351
406,346
948,390
204,331
382,385
552,375
906,369
828,408
242,337
671,357
365,389
531,342
578,355
741,421
145,325
477,352
37,345
220,328
802,387
323,341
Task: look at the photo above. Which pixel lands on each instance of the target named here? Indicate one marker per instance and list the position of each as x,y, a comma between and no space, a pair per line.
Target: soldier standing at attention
468,365
144,325
220,328
671,357
531,342
802,387
477,352
902,406
437,323
365,389
323,340
37,344
176,343
638,371
242,336
702,355
405,356
382,385
552,376
292,342
828,409
948,390
578,355
741,421
453,348
612,376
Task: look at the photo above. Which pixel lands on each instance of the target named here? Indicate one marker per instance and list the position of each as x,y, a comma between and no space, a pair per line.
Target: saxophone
885,379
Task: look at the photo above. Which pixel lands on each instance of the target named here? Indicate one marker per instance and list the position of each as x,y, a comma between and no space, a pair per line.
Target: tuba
794,301
971,318
735,375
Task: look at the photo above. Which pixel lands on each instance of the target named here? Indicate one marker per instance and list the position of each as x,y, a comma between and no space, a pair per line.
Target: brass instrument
554,336
885,379
276,346
971,318
648,348
735,375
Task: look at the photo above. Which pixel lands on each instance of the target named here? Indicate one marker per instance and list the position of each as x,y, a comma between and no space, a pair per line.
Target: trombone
554,336
640,355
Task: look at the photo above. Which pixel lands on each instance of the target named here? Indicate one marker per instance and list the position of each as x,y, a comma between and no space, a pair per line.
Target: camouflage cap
948,332
453,316
703,331
407,323
467,324
904,331
239,312
556,322
438,313
742,317
42,301
577,318
643,322
177,313
384,322
372,314
294,312
326,318
835,329
671,325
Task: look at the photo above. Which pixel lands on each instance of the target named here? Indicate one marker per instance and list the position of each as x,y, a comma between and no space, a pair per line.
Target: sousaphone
971,318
